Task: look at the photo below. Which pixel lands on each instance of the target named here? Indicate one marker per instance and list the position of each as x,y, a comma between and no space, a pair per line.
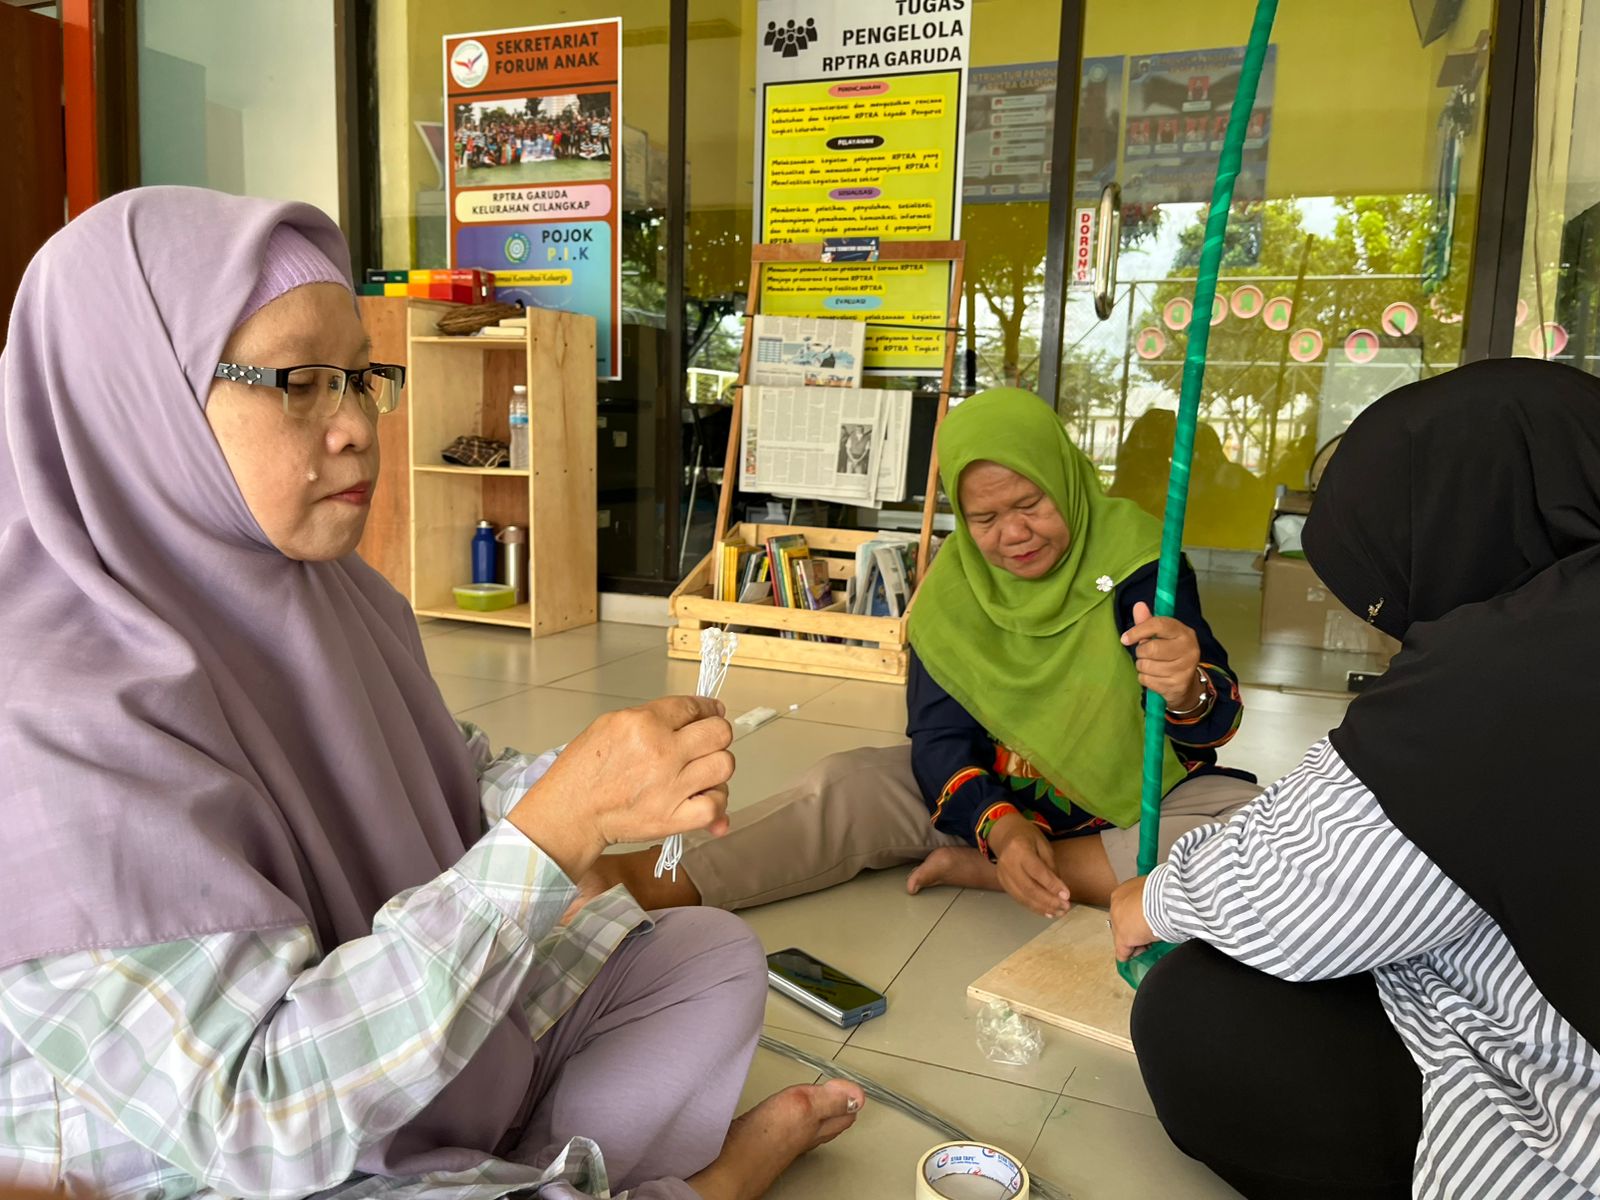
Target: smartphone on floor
828,992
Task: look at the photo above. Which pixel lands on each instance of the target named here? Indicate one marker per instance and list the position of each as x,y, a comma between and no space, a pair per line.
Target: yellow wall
1355,104
411,80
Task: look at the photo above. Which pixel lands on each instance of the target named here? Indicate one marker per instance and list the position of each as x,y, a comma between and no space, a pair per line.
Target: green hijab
1040,662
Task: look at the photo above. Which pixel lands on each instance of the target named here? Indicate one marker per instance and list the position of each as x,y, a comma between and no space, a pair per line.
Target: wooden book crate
761,626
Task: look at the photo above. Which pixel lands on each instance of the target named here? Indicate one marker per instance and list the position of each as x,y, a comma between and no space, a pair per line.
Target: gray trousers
652,1058
863,810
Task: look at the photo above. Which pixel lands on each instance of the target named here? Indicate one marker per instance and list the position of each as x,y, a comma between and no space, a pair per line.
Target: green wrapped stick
1194,370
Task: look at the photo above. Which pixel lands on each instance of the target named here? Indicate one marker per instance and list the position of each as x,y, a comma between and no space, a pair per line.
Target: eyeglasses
315,391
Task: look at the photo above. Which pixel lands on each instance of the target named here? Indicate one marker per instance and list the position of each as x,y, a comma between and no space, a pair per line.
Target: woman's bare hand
635,775
1168,657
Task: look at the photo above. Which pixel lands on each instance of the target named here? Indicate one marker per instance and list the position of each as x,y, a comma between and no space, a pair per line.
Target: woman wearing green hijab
1032,641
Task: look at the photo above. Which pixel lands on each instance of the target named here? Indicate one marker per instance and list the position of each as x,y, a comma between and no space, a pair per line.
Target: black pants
1292,1090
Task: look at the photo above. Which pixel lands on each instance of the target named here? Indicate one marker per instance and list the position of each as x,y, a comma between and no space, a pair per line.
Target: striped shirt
1311,881
252,1064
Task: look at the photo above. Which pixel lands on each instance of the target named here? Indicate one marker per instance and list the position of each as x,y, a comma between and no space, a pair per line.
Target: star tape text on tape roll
970,1171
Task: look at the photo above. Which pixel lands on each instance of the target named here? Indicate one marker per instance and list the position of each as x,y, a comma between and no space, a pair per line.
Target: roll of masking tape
970,1171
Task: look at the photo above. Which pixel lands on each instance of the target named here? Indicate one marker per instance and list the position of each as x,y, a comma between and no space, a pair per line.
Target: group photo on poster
544,139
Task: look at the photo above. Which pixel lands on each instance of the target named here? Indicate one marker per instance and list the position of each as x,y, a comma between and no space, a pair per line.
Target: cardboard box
1297,609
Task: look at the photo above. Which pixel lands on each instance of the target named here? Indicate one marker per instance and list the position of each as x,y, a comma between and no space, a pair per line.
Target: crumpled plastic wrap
1008,1037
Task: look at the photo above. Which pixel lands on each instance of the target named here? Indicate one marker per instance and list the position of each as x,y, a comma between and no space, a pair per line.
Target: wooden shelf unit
452,390
886,657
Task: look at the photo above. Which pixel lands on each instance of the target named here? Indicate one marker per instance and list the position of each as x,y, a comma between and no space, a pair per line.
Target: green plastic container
485,597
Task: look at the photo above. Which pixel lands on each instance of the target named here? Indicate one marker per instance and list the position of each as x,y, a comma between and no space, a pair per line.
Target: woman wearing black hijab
1425,879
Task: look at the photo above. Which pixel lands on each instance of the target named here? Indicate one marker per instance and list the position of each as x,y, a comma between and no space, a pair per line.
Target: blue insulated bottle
483,553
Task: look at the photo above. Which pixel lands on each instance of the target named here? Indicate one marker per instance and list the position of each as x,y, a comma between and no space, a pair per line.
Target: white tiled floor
1080,1116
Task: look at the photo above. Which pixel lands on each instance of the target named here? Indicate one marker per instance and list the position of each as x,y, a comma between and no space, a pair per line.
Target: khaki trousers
862,810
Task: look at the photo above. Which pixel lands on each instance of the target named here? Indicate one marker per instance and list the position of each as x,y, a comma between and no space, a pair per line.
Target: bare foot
766,1140
956,866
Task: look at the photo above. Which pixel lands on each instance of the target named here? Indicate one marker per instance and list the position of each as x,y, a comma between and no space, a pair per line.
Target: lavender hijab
198,734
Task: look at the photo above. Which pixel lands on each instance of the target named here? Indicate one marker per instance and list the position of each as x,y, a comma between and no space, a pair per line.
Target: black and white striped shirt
1311,881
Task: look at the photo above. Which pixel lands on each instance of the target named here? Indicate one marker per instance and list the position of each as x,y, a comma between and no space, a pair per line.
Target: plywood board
829,622
1067,977
879,664
563,567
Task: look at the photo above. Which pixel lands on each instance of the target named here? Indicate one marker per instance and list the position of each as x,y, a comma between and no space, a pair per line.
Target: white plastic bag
1008,1037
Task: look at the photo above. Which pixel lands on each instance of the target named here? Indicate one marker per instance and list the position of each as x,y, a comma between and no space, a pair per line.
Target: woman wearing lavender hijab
271,923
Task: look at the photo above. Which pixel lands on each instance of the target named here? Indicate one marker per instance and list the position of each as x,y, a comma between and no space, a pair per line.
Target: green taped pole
1194,371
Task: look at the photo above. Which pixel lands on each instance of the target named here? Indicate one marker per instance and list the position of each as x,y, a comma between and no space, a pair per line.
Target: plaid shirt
247,1064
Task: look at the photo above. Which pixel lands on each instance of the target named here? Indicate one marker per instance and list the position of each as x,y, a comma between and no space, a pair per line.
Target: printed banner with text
1178,111
535,177
861,137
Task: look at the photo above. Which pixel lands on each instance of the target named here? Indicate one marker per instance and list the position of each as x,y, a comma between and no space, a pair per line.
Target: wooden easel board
1067,977
879,651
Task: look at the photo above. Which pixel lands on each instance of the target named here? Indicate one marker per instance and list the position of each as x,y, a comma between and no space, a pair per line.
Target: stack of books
885,573
741,572
783,552
507,327
783,572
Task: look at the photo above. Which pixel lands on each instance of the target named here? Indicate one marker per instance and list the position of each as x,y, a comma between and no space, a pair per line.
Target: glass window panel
641,433
1558,314
1357,205
240,97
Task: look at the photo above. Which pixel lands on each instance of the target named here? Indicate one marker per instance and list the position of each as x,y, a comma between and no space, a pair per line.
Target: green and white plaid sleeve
249,1064
502,779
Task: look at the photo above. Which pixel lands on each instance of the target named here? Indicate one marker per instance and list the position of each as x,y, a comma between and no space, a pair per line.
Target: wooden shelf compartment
452,394
485,472
519,616
466,340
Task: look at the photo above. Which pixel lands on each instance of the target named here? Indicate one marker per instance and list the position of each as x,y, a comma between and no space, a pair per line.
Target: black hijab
1461,515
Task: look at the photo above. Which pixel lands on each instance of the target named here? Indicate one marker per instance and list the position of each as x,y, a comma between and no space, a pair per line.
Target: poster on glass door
860,137
1178,110
1011,112
535,173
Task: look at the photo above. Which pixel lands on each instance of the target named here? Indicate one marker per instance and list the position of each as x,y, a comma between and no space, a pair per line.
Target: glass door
1558,309
1345,273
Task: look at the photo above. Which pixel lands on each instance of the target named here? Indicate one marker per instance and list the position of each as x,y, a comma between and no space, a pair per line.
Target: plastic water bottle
519,428
483,553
